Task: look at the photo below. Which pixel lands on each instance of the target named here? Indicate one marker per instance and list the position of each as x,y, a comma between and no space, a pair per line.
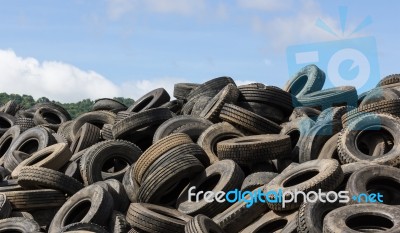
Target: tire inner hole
273,226
368,222
300,178
207,185
367,145
389,188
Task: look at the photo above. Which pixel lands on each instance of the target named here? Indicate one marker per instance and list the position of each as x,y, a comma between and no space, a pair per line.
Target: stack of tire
137,168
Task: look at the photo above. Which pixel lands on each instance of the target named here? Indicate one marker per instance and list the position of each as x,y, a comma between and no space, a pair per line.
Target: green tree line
75,109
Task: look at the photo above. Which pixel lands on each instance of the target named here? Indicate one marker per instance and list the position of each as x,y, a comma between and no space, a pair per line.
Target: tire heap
130,169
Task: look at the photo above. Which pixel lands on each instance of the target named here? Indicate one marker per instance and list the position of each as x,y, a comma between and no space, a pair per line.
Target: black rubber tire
153,99
130,184
182,90
11,107
174,106
19,224
363,218
65,130
97,118
239,215
375,179
25,123
157,150
380,94
274,221
169,126
315,79
386,106
224,176
169,179
348,137
52,157
38,135
199,105
76,208
333,114
35,199
211,86
330,149
256,180
122,115
268,111
107,104
388,80
270,95
311,215
254,149
8,138
121,200
38,177
6,122
184,149
311,146
5,206
229,94
83,227
214,134
298,130
52,106
248,120
129,125
202,224
72,170
51,117
156,219
118,223
324,174
304,112
96,157
86,136
336,96
106,132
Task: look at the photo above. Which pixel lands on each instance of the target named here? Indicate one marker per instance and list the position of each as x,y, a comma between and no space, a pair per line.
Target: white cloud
264,5
298,28
67,83
243,82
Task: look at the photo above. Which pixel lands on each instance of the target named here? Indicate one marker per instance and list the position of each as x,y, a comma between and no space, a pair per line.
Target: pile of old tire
131,169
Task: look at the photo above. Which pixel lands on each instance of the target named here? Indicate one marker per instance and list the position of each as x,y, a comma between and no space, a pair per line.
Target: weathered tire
157,150
258,148
270,221
256,180
307,80
153,99
348,138
5,206
248,120
363,218
97,118
95,159
107,104
375,179
51,117
324,174
182,90
173,124
91,204
224,176
214,134
19,224
35,199
86,136
157,219
337,96
38,177
52,157
202,224
161,186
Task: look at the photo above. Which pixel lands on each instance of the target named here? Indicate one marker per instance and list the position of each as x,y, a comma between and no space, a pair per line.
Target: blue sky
69,50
